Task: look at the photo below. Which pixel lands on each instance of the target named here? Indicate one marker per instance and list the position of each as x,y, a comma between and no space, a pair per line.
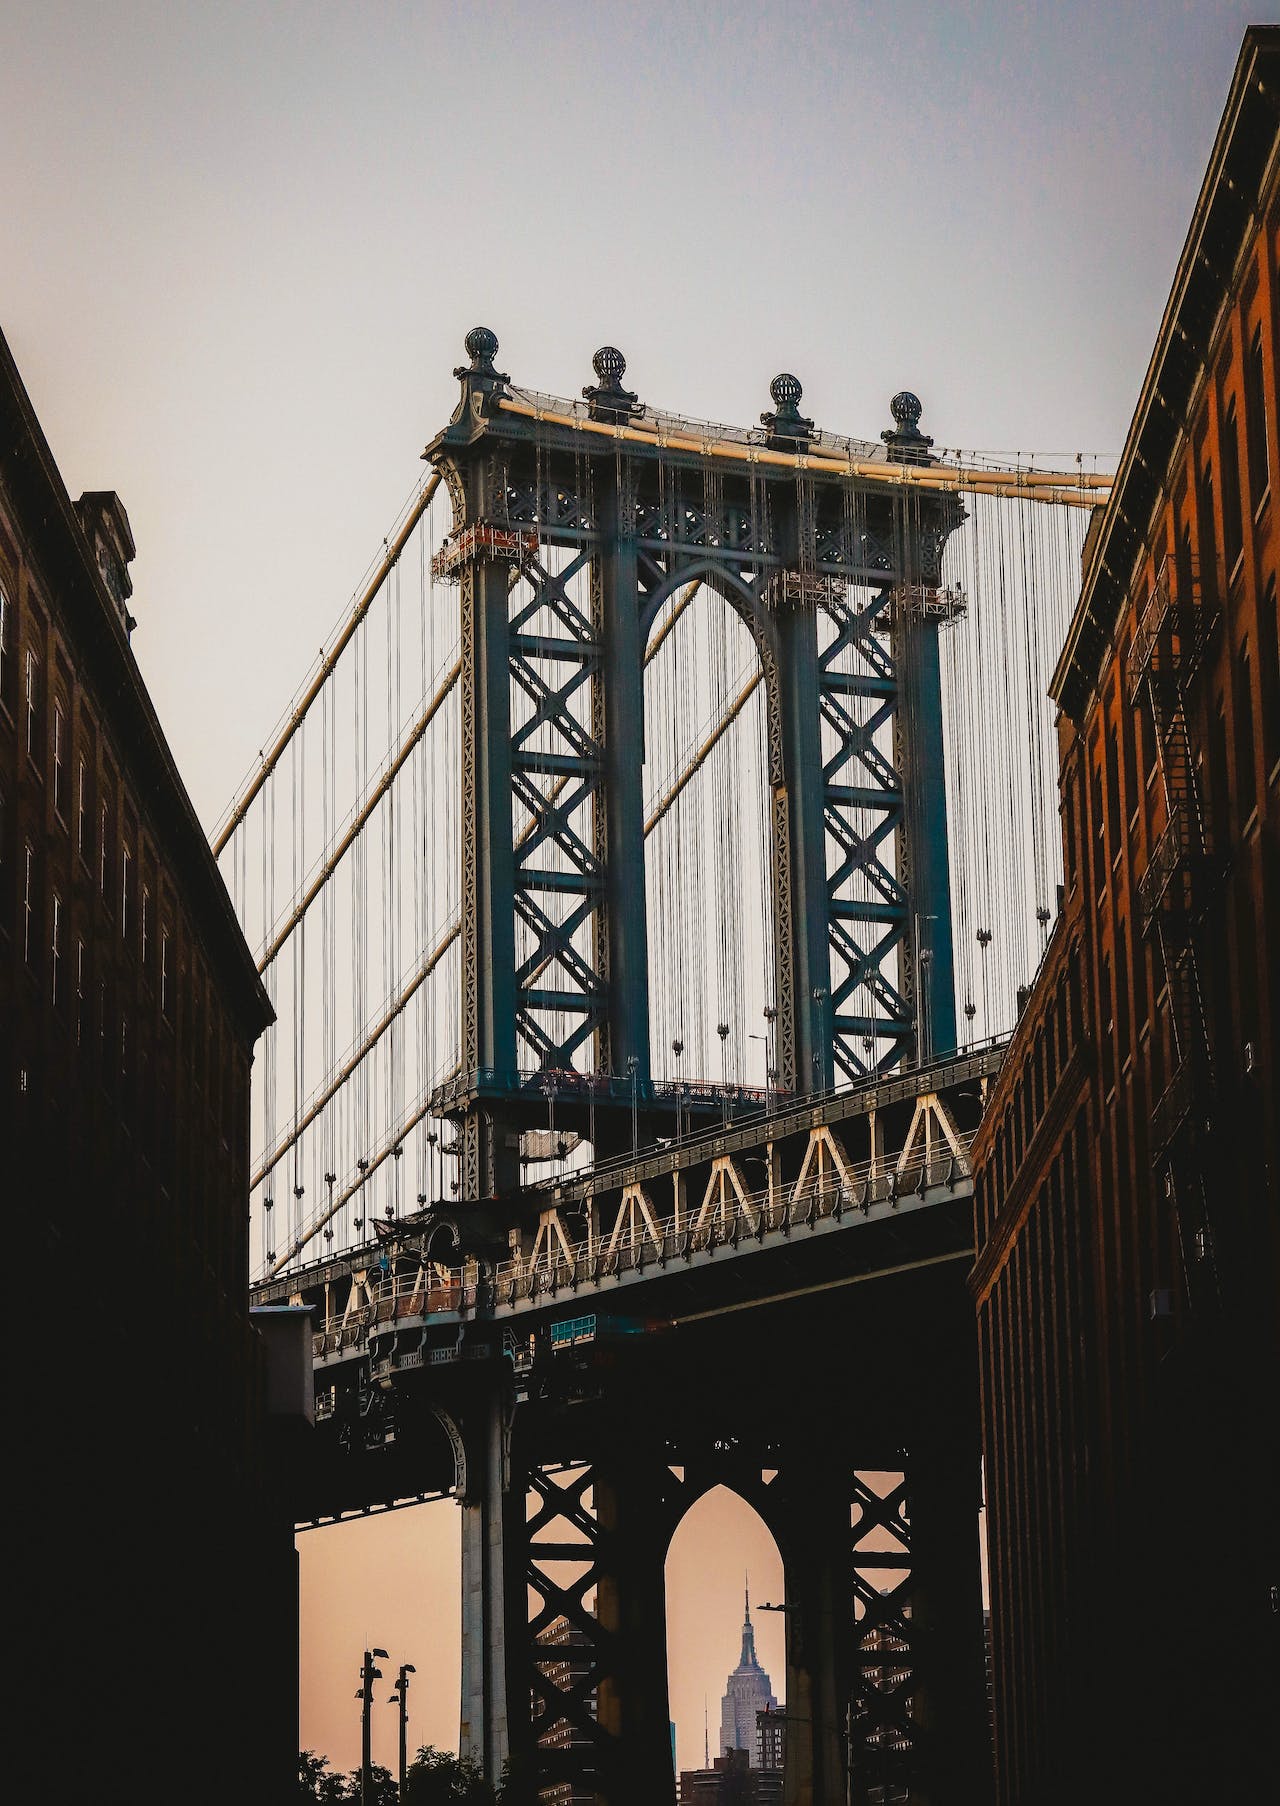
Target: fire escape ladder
1173,894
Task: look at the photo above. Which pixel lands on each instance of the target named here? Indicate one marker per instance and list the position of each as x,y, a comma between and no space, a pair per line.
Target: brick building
564,1662
1128,1210
130,1006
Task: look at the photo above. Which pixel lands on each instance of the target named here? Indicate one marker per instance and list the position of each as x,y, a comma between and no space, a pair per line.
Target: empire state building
747,1692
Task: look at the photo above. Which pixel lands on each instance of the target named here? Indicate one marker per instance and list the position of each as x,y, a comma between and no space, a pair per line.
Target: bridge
709,727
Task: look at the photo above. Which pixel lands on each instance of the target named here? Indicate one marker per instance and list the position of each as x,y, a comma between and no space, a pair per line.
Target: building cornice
1241,172
64,559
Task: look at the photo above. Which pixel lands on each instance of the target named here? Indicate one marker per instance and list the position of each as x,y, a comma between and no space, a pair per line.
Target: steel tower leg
800,840
929,981
490,1152
618,726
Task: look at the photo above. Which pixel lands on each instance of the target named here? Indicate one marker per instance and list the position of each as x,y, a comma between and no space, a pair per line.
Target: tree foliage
317,1782
439,1778
435,1778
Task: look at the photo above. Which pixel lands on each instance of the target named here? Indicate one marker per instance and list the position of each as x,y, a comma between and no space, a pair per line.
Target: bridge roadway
864,1183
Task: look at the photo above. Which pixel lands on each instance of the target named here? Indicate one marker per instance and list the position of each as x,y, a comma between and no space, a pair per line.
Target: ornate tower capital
788,428
607,397
907,444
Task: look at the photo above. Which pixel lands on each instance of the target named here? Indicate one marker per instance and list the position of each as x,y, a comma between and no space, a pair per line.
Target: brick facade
130,1006
1127,1208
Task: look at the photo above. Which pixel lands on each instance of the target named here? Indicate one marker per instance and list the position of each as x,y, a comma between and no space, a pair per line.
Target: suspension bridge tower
832,560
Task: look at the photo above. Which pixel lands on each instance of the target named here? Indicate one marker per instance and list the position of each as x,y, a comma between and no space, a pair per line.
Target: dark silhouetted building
731,1781
771,1738
161,1641
1127,1209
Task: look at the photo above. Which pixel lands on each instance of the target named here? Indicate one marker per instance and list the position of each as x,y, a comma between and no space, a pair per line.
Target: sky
240,247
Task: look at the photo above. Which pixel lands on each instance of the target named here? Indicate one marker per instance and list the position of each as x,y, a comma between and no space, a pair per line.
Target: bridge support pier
819,1604
632,1706
953,1767
493,1716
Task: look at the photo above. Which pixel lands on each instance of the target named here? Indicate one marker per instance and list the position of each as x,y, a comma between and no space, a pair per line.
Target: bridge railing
639,1238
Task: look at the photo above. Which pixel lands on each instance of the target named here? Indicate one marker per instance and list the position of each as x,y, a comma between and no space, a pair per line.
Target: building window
55,951
1122,990
165,988
82,809
1219,787
60,760
29,904
105,864
144,926
33,707
1256,421
81,995
126,885
1232,519
1209,580
6,649
1269,677
1246,778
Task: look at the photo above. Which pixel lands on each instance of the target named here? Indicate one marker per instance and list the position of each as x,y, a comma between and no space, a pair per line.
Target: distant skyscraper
747,1693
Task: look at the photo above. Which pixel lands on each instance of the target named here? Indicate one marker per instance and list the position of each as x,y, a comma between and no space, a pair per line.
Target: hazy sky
240,246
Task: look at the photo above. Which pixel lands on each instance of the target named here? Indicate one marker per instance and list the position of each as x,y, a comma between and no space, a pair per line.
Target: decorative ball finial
609,365
607,397
906,442
482,347
787,427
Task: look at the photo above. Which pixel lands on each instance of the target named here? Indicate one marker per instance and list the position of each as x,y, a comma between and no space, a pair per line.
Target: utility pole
368,1675
400,1697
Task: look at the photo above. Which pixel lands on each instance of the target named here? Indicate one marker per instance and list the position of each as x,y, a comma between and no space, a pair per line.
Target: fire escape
1173,894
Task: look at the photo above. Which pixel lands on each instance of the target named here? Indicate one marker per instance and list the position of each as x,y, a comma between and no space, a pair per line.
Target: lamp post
770,1067
400,1697
549,1092
819,998
722,1029
677,1048
633,1067
924,1027
368,1675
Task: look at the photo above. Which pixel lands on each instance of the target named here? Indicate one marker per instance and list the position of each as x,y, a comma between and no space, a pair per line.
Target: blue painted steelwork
820,567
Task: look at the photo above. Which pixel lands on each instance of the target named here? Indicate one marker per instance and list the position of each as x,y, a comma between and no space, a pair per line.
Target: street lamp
924,1024
633,1067
549,1092
400,1697
722,1029
677,1048
770,1070
819,998
368,1675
